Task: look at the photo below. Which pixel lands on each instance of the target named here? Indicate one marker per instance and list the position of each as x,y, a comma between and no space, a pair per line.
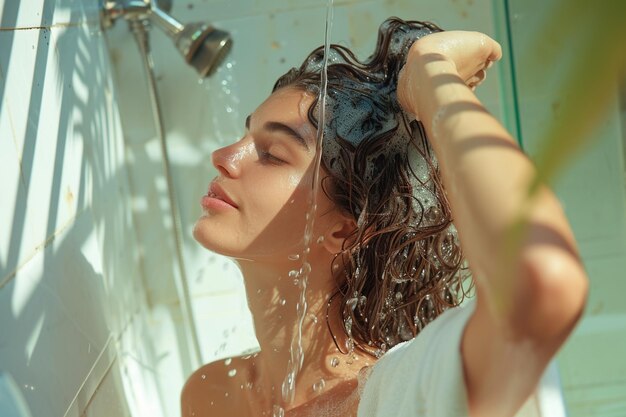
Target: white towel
433,384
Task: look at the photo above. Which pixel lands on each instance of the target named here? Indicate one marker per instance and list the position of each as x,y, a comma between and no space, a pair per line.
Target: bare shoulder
218,388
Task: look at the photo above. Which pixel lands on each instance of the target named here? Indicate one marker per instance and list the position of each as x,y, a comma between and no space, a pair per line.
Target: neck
273,299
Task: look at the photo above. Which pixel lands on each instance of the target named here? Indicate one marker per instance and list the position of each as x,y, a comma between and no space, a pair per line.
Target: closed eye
267,158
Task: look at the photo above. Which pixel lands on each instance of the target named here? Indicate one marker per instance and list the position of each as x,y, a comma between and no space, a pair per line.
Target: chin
213,239
202,235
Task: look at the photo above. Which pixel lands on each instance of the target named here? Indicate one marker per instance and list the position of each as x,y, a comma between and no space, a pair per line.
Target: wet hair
403,265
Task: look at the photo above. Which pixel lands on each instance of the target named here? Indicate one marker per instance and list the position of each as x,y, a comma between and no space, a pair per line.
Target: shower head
203,46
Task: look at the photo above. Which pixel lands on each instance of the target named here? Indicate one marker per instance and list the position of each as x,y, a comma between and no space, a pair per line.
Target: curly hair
403,265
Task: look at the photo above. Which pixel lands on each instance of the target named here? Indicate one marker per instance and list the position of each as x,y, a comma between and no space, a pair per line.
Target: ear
336,235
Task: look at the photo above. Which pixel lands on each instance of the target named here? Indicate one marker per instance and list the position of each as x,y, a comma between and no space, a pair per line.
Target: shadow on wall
60,308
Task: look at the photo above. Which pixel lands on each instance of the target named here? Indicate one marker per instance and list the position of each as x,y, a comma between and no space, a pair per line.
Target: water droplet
288,385
320,239
293,257
232,373
283,302
433,214
203,377
278,411
313,318
348,325
319,385
228,361
225,394
293,273
306,269
334,361
398,296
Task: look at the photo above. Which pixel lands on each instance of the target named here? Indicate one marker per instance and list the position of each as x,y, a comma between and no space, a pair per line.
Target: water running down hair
403,265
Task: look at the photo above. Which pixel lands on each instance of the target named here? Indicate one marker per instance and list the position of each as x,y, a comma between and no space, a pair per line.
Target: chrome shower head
203,46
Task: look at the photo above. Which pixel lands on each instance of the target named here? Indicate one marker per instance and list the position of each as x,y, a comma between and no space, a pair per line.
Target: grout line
113,353
105,349
39,248
12,126
91,398
54,26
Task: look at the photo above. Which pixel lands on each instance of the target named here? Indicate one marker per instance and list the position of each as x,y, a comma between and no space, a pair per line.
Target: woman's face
256,207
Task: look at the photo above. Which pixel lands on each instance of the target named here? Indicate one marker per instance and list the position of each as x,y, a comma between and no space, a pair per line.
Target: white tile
109,399
10,187
169,346
24,96
24,67
67,133
221,10
53,327
93,380
138,365
42,13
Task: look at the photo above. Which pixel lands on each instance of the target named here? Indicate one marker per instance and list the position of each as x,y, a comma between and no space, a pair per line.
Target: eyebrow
283,128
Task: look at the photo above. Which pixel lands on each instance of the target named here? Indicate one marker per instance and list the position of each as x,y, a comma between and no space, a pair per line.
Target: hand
467,55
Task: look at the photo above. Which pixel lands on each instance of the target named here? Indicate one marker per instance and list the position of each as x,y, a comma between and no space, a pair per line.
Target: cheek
281,189
294,181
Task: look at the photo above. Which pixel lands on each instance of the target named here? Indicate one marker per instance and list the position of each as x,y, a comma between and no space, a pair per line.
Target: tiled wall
72,309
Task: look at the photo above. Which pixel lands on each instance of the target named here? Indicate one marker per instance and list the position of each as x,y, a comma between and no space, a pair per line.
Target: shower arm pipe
139,10
167,22
139,30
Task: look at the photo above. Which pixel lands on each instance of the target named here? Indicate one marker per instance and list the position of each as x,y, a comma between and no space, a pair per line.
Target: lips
216,192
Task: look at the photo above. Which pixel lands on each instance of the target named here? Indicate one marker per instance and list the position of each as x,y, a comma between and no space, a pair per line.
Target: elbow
553,297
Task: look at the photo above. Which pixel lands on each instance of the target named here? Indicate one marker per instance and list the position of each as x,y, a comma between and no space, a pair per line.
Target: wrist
432,64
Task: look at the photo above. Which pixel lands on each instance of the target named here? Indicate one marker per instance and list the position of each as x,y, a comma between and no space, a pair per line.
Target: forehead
289,106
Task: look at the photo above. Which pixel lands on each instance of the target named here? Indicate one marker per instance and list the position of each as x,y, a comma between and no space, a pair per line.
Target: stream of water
296,360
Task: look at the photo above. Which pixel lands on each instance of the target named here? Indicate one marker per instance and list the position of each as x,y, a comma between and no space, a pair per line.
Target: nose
228,159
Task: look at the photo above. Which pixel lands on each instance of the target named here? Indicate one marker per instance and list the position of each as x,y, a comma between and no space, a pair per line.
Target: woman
385,258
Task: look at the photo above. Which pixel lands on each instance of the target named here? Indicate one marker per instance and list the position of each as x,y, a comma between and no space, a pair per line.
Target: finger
496,53
477,78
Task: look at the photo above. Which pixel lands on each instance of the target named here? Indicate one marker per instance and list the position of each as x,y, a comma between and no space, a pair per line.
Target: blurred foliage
589,38
597,31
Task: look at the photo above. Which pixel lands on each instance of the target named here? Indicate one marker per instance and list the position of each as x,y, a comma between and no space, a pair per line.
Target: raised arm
523,313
